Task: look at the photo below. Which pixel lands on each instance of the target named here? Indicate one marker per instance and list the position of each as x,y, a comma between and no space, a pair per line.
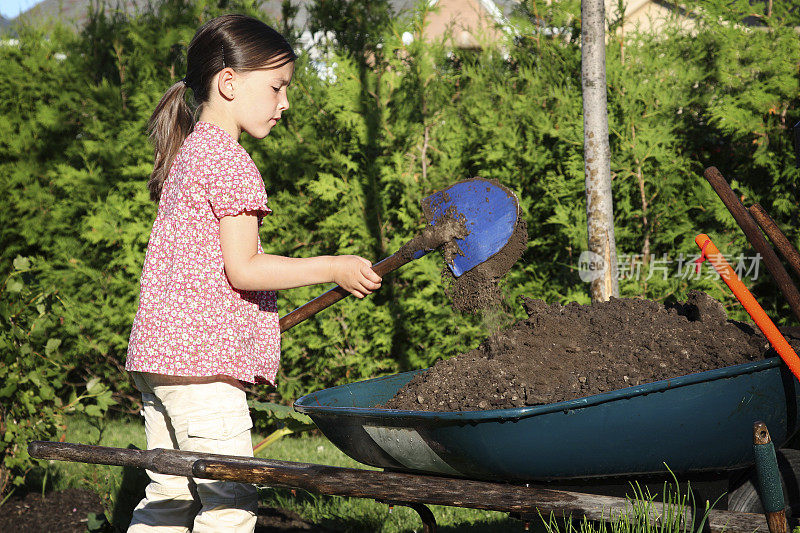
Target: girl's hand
354,274
249,270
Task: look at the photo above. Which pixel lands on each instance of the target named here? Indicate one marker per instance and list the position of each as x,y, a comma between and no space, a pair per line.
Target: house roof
467,19
76,10
399,7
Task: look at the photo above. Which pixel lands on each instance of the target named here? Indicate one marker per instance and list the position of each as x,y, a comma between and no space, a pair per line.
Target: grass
358,514
121,488
640,515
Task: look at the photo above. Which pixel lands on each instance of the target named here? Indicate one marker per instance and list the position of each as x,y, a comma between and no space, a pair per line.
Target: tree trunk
597,155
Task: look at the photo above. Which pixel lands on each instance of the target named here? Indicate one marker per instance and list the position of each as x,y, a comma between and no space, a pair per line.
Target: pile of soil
564,352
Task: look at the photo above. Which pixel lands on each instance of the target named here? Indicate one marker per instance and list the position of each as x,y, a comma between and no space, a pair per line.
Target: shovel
471,221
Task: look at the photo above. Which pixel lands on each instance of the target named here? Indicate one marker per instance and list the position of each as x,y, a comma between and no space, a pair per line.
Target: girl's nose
284,102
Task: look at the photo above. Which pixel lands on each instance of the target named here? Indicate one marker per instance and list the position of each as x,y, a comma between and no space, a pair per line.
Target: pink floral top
190,320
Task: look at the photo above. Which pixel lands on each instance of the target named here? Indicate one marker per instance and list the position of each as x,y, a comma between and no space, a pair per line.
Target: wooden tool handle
755,237
326,299
787,250
770,485
388,485
756,312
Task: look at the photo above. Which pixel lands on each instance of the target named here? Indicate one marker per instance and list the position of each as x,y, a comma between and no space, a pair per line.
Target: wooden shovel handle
755,237
787,250
326,299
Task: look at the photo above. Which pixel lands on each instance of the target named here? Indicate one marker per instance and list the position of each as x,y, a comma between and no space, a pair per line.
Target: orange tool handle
750,304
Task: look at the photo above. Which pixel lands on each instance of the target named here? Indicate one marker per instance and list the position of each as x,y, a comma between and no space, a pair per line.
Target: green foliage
282,417
97,523
388,124
38,387
680,100
278,413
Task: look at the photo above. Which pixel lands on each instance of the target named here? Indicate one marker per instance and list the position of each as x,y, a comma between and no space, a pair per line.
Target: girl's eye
276,89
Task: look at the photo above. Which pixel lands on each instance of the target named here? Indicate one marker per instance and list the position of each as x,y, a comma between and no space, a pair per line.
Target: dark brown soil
565,352
271,520
68,511
58,512
478,289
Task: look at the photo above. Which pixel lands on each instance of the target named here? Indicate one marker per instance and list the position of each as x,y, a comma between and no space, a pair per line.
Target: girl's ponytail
169,125
230,41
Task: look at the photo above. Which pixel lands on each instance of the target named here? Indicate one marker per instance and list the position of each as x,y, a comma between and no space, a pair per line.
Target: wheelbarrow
696,427
525,461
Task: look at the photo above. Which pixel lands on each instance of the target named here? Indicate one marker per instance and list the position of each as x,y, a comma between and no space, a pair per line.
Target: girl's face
260,98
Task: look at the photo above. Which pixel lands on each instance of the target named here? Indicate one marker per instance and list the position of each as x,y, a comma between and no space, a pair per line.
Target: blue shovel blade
490,211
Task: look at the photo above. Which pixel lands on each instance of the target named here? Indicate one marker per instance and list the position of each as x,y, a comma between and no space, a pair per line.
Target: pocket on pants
219,427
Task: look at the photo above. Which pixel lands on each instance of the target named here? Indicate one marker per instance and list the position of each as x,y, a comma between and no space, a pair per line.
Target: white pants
199,417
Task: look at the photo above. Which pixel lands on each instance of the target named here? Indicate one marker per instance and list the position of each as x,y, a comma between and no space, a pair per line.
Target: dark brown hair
236,41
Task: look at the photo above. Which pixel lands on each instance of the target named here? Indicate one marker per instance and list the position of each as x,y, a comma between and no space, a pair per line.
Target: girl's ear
226,81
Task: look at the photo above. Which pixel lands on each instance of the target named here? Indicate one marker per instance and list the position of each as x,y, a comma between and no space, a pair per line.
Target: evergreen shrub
375,125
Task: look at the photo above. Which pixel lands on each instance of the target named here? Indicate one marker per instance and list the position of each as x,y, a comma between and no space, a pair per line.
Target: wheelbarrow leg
769,480
425,514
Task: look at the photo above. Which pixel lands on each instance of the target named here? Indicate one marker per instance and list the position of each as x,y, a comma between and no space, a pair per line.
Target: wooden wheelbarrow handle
388,486
770,486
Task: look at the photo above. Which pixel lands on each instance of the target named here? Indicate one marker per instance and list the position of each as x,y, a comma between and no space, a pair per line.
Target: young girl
207,319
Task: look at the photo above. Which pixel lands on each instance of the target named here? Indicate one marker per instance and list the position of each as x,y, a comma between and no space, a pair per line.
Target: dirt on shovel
478,289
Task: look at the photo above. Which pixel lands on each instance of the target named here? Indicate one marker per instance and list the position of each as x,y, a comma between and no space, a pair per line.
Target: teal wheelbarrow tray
513,460
690,424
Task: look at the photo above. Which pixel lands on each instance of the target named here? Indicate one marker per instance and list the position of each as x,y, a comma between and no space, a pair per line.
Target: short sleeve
234,185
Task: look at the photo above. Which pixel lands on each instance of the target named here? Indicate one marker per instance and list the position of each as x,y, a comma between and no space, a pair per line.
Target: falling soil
564,352
478,289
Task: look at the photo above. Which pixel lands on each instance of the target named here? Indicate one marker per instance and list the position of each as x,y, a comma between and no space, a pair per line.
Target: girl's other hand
354,274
